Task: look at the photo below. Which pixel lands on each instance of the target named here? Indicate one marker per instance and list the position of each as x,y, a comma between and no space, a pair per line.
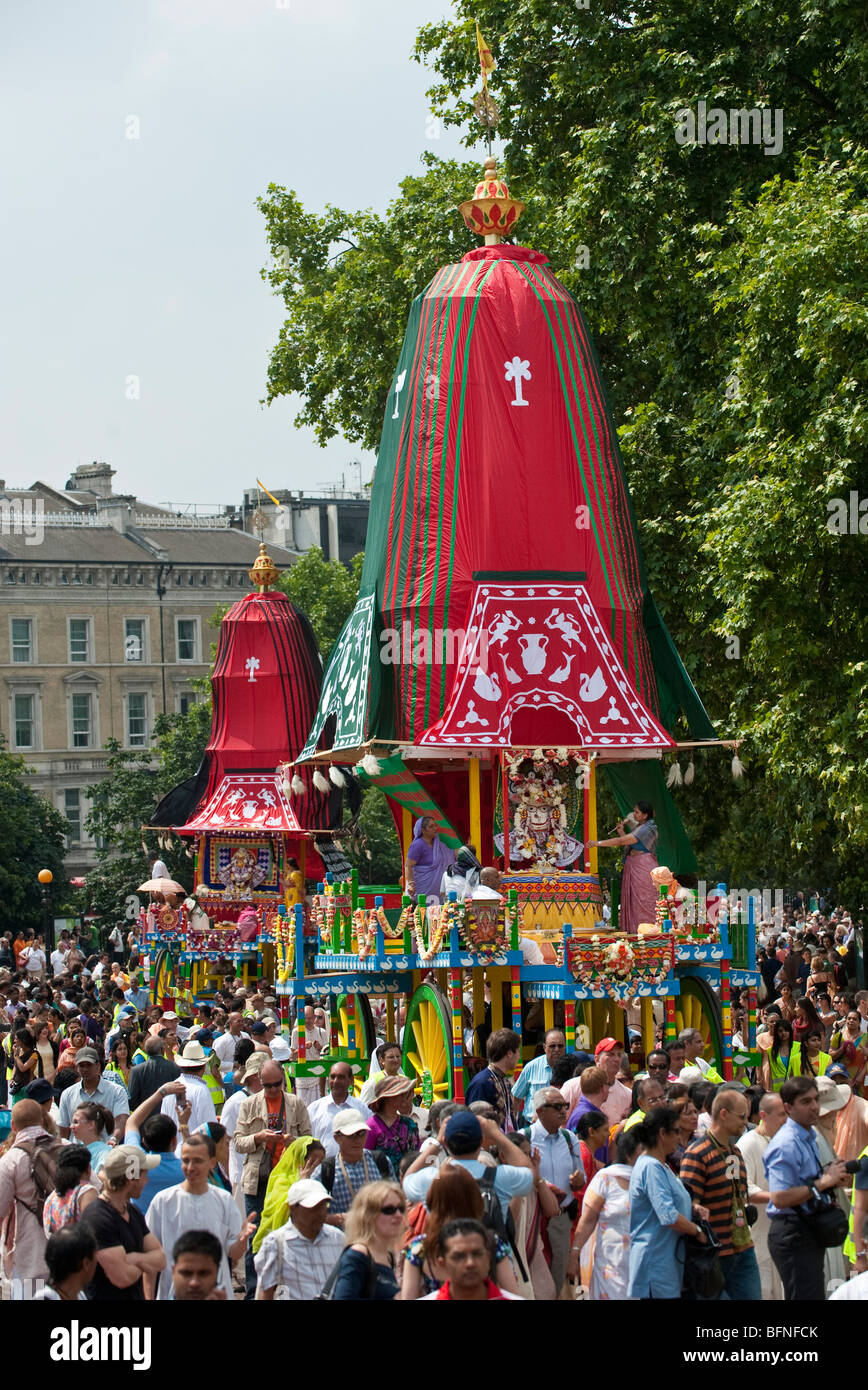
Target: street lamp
46,878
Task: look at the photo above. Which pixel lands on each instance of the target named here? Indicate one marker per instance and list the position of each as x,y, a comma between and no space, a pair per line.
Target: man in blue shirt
560,1165
463,1138
158,1134
538,1073
795,1181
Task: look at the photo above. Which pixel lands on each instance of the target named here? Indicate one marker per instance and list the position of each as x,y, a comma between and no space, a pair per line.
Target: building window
186,700
76,578
134,639
72,811
140,578
188,639
63,577
37,577
137,719
10,576
88,578
79,639
25,721
82,721
22,640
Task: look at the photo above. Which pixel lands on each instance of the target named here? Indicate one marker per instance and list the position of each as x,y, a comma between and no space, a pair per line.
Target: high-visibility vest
850,1243
214,1081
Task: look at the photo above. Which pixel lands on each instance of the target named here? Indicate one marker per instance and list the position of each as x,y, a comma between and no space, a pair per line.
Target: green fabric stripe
450,569
453,323
400,786
598,472
407,443
570,416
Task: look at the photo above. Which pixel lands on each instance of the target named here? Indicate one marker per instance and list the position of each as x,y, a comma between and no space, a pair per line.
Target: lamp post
46,877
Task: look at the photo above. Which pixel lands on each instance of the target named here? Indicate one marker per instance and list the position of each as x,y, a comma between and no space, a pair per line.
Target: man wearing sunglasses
267,1122
560,1165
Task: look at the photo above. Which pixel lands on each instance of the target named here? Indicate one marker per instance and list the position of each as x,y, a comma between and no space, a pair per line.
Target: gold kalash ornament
264,573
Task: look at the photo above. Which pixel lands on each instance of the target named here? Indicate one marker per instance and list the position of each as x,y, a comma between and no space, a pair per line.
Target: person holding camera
714,1173
803,1221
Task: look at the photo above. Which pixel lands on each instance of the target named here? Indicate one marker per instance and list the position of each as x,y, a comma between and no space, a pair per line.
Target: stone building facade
105,620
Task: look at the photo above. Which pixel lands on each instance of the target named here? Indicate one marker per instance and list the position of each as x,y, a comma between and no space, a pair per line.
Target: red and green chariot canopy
503,599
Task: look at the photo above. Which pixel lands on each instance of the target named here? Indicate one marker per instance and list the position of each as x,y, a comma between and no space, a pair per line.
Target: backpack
493,1218
327,1168
44,1154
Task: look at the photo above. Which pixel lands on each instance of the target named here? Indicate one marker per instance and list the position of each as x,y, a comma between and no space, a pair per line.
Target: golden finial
491,213
264,573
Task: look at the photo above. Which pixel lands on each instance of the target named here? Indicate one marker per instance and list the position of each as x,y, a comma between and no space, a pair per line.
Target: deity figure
242,874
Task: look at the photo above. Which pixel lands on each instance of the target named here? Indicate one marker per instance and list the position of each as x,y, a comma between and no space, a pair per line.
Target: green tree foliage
347,280
725,288
325,591
32,836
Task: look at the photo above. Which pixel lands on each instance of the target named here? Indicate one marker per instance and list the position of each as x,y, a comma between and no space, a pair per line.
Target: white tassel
688,775
297,786
320,782
144,849
160,842
370,765
738,767
337,777
674,779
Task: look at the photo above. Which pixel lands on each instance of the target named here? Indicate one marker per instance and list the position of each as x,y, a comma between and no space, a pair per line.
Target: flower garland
487,937
434,918
284,945
613,962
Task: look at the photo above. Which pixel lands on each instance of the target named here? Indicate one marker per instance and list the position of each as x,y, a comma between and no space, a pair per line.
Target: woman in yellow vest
211,1075
857,1239
777,1063
807,1058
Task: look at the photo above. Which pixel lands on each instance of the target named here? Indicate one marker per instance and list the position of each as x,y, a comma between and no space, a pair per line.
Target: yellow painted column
549,1013
496,980
592,812
646,1010
475,813
390,1018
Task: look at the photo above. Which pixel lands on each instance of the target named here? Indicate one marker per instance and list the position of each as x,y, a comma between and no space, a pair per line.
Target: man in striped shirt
713,1170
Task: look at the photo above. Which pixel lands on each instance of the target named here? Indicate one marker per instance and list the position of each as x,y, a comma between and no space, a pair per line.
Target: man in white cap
353,1167
192,1063
295,1261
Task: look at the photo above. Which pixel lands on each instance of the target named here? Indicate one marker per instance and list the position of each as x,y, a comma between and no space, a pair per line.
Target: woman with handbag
661,1212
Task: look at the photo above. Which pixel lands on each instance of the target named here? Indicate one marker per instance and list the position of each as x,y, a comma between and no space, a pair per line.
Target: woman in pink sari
638,894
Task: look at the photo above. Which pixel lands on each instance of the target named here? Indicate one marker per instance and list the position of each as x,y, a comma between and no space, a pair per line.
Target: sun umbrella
161,885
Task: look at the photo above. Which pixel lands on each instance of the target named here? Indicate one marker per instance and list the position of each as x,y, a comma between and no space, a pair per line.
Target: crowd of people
158,1156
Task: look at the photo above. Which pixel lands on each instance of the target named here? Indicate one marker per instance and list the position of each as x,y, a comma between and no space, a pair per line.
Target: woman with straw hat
391,1126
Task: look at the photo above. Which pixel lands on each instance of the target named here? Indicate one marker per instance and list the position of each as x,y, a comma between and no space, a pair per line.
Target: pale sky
140,257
